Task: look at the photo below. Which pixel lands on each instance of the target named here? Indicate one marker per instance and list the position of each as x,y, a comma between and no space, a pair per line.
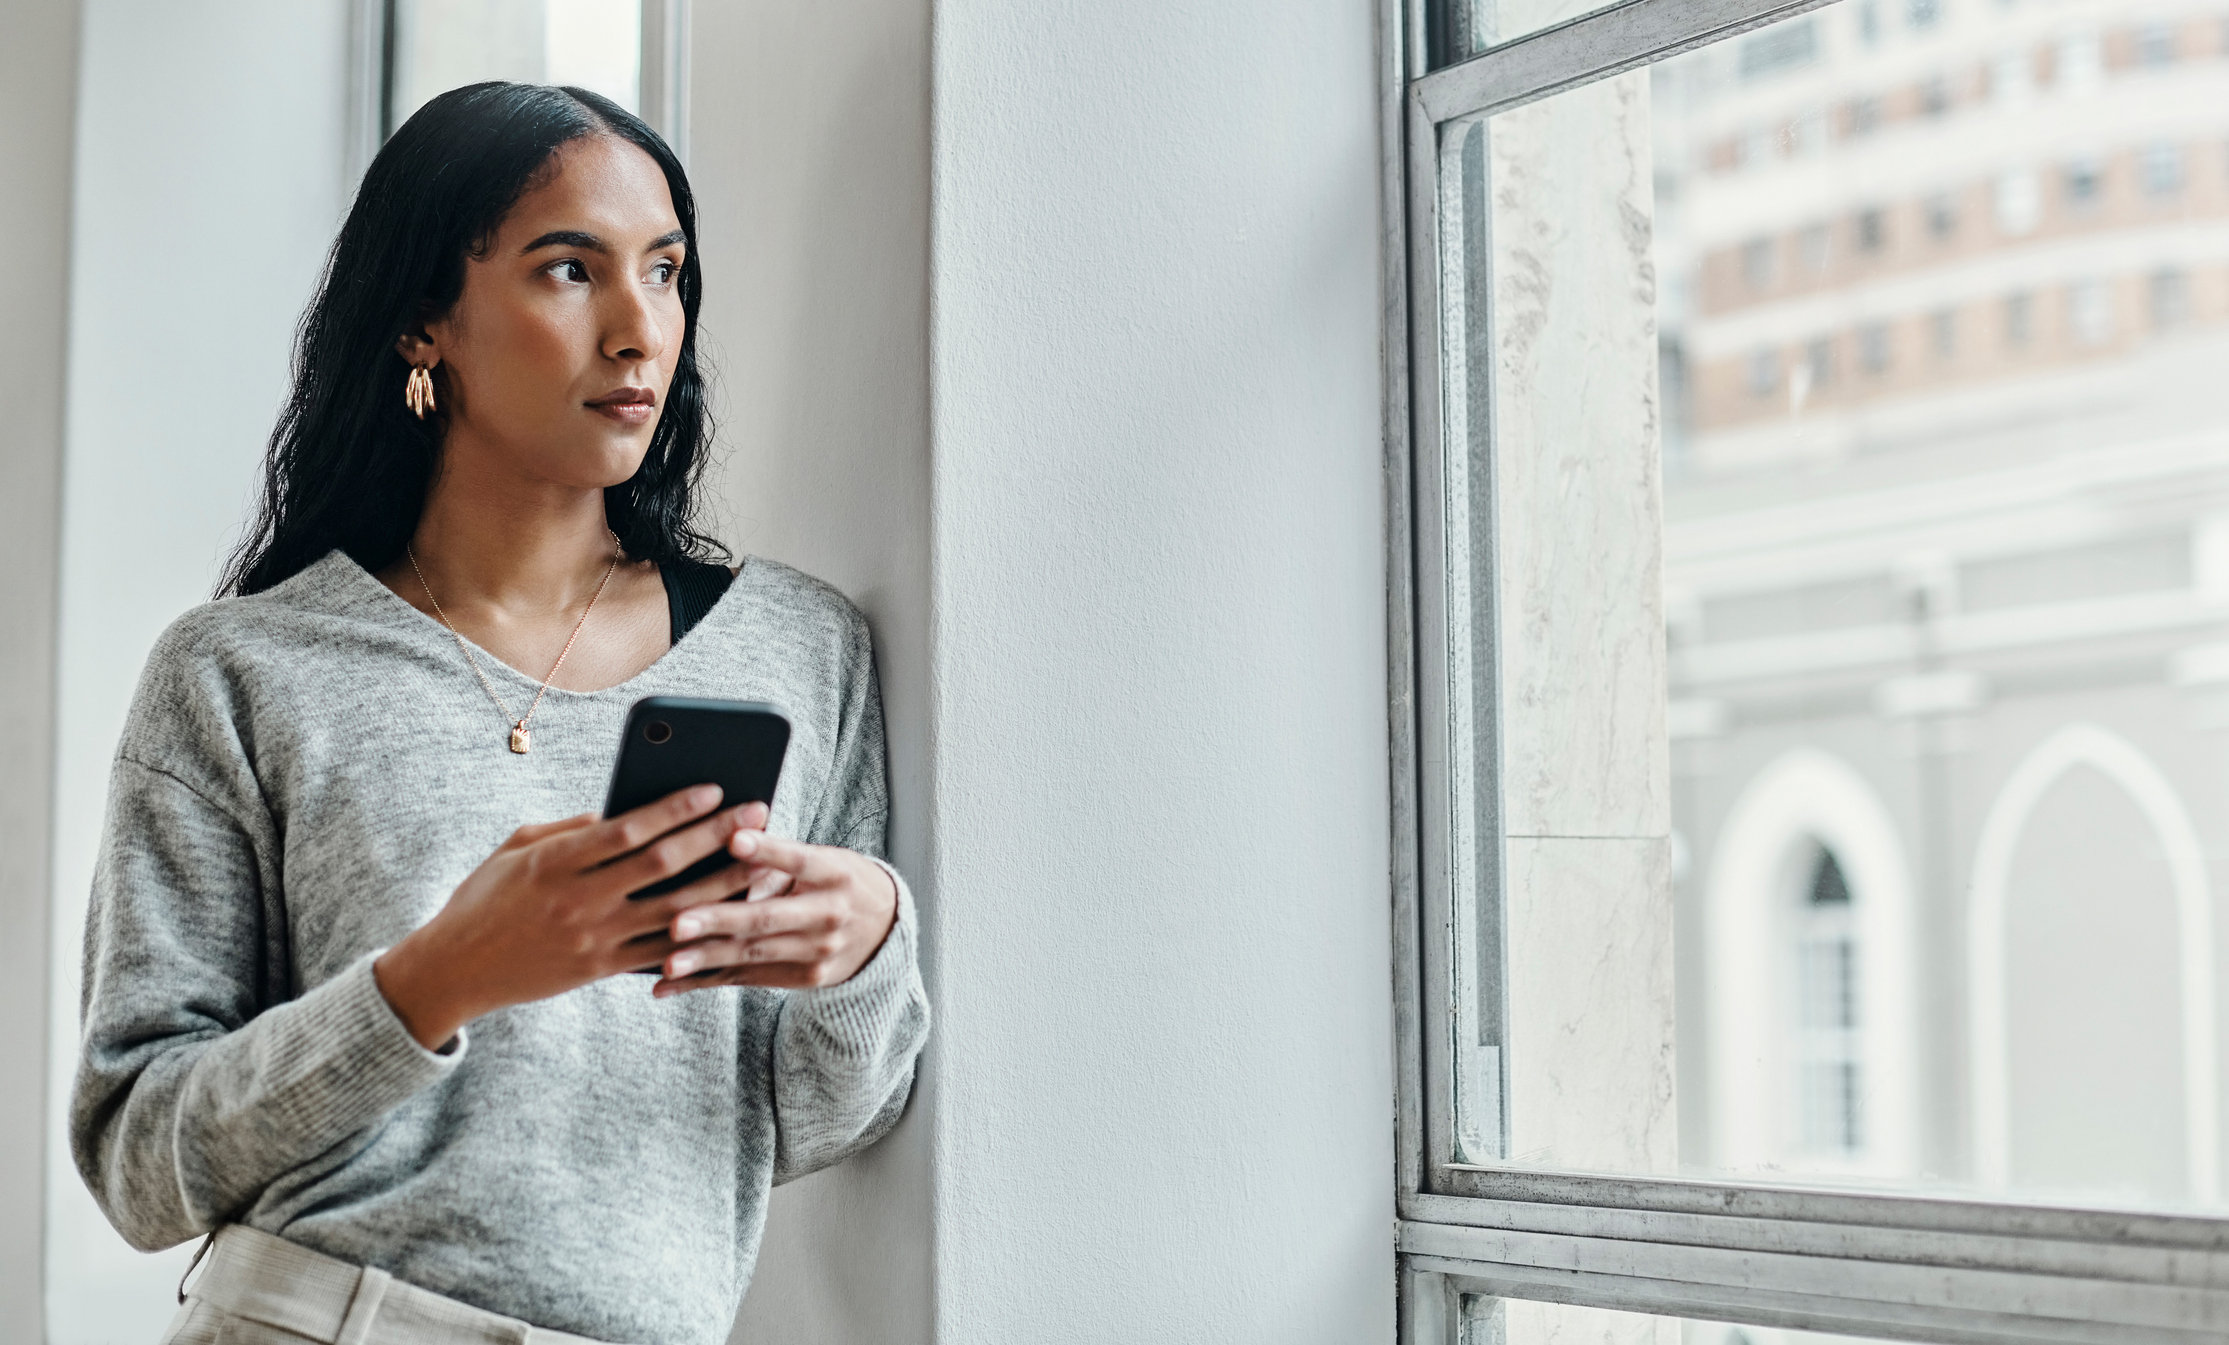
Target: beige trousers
260,1290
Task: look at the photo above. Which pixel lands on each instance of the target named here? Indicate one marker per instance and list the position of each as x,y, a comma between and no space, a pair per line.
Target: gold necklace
522,741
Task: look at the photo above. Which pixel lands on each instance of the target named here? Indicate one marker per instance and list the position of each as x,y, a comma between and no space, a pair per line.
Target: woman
353,999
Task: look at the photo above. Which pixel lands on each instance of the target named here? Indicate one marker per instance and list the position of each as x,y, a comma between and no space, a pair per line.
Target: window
2019,320
1942,329
1818,362
1805,908
441,44
1870,226
1934,96
1942,215
1811,248
2089,306
2084,183
1830,1071
1764,372
2081,63
2160,167
626,50
1873,347
2155,44
1756,262
1779,47
2168,295
2019,202
2012,76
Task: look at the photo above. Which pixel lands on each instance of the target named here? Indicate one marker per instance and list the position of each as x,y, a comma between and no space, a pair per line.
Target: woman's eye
663,273
570,270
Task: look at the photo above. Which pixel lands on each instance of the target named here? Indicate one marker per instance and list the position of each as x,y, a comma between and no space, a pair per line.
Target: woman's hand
817,913
549,911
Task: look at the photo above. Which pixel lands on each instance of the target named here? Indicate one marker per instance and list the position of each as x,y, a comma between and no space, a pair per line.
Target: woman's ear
418,349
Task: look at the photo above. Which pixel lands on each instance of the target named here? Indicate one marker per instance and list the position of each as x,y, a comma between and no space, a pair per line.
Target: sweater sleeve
844,1056
194,1089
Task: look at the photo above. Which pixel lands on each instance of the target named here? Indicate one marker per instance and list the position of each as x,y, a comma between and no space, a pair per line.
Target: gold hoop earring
417,392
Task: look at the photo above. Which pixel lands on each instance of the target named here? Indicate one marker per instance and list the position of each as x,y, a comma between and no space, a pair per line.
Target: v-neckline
421,621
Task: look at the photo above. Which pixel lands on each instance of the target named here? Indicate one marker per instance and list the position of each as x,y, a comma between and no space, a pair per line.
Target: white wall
1164,1074
208,185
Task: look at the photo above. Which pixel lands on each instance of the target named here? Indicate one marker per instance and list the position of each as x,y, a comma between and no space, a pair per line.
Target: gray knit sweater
305,776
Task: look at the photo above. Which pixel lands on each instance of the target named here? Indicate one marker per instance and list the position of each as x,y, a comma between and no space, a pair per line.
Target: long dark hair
348,464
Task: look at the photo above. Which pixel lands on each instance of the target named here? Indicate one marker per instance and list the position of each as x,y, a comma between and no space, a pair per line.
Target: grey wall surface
208,185
1164,1078
38,77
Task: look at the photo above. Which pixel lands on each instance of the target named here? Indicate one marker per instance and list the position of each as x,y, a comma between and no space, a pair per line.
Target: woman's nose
635,332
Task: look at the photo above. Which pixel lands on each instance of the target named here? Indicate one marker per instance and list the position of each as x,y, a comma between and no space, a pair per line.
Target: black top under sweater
693,588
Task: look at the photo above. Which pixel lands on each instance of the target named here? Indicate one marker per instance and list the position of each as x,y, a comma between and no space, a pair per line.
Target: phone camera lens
657,730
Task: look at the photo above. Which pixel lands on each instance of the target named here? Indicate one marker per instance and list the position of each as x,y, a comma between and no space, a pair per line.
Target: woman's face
561,348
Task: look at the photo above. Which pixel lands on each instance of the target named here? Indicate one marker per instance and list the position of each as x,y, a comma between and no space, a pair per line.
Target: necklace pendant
522,742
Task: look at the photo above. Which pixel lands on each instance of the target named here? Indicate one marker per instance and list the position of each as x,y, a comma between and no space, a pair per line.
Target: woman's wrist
420,996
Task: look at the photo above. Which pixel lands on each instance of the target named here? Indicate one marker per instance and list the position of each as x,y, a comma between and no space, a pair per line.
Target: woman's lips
628,406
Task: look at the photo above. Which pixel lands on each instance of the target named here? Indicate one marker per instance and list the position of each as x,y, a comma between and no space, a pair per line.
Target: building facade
1944,324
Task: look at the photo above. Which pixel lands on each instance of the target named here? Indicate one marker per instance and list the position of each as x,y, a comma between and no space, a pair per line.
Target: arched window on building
1828,1051
1811,980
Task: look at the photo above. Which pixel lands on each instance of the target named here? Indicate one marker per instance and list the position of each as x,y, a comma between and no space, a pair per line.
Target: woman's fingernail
744,843
684,964
704,796
687,927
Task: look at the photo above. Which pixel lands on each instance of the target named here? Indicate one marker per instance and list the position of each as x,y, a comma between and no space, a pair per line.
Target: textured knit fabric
305,776
254,1281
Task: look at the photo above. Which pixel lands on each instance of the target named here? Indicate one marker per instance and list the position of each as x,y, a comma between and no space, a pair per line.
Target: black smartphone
673,742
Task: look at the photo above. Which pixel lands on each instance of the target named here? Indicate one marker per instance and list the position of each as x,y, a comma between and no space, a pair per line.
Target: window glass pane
1467,27
442,44
1486,1320
1873,827
1555,678
1473,849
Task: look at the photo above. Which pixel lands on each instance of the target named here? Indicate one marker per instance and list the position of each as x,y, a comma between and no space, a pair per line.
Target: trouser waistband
270,1280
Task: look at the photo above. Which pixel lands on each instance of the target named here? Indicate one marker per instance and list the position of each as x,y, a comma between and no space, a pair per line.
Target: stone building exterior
1944,321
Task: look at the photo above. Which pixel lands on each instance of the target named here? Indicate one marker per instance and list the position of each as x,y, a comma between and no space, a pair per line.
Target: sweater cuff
342,1058
858,1013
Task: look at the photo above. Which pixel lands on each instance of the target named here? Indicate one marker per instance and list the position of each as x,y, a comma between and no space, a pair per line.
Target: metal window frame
1899,1266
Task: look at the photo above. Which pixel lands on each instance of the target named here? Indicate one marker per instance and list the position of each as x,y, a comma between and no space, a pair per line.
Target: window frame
1900,1266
